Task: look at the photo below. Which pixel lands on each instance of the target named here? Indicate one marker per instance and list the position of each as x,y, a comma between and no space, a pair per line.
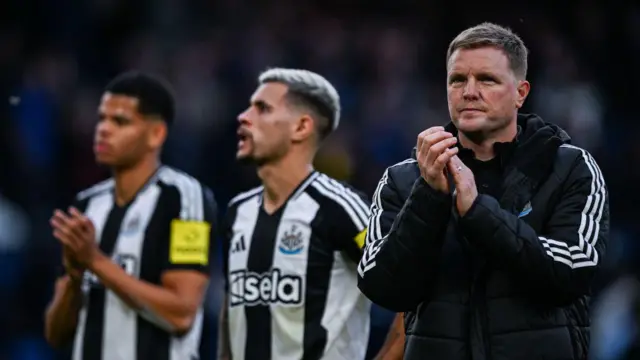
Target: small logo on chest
132,226
237,244
527,209
292,242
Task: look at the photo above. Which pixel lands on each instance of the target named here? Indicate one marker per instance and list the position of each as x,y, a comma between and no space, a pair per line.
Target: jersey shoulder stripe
244,196
344,196
190,189
96,189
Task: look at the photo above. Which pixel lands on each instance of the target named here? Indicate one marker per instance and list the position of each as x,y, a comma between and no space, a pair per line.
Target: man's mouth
243,137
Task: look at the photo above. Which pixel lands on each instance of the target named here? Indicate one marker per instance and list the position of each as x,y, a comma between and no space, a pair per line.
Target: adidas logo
238,244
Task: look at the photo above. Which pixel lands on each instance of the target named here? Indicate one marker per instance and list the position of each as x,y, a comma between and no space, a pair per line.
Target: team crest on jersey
132,226
291,242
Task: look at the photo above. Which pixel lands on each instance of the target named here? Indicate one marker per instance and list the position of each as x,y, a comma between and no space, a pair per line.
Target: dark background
387,59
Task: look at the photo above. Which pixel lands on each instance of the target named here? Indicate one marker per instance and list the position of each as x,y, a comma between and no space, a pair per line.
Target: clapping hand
433,151
465,184
77,235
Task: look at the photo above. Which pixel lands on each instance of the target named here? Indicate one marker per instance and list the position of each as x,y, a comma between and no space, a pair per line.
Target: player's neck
281,178
128,181
483,149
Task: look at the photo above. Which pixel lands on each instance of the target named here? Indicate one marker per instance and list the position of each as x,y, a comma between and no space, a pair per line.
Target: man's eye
487,79
121,120
261,107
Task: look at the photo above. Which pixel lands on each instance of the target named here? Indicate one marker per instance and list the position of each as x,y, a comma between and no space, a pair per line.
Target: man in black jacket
490,234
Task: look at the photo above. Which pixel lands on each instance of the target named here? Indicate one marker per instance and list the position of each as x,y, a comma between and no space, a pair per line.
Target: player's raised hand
433,152
77,234
465,181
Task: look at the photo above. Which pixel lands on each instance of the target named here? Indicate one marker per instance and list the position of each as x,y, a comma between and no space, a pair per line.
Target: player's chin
244,156
105,160
472,122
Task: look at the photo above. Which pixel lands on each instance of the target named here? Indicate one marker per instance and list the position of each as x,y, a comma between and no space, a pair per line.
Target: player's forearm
393,347
224,352
61,316
174,313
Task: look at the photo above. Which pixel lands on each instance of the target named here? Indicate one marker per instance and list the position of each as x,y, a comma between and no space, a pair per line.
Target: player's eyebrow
261,104
455,76
117,118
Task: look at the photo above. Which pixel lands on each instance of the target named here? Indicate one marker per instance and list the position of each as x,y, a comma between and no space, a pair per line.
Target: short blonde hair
492,35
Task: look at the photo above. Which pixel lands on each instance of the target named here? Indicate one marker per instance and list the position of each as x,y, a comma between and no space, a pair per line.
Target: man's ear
303,128
157,134
524,87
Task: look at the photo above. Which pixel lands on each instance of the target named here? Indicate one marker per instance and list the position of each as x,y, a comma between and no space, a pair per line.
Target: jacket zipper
478,303
480,300
477,299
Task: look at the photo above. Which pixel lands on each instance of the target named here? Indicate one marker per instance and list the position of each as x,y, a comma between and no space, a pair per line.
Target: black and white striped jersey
291,275
146,237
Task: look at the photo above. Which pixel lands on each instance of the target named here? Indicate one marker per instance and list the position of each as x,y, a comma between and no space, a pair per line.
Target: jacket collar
527,160
532,149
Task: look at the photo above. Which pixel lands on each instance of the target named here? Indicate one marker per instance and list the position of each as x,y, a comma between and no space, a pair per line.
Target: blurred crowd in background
386,58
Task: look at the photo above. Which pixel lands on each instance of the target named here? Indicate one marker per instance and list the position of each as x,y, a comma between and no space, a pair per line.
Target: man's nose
104,127
243,117
470,90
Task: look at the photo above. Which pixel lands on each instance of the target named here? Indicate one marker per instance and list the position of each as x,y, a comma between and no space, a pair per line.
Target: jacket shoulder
402,176
571,158
568,153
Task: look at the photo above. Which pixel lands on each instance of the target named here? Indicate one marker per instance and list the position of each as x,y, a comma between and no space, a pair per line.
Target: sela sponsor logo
249,289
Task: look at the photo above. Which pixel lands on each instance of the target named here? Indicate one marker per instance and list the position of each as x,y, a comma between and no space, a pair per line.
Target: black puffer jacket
510,279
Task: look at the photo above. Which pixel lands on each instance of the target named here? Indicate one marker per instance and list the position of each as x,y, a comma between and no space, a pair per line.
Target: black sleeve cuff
205,269
482,219
428,202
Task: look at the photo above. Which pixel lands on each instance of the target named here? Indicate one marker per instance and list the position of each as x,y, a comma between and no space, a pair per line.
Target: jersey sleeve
350,219
191,231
